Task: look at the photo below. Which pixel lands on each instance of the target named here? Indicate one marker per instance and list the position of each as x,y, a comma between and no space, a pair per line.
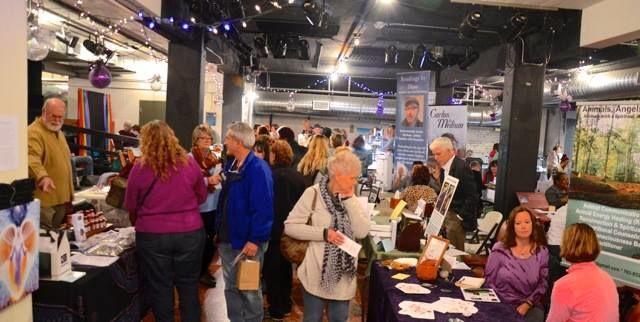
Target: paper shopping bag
248,275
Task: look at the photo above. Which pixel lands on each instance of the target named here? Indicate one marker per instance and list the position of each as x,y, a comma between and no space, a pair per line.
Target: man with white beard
49,163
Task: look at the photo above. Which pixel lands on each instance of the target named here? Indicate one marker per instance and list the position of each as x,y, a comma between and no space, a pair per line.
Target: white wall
609,23
481,140
13,62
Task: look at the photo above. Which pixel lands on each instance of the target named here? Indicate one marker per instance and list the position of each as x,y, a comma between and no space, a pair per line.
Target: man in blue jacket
245,219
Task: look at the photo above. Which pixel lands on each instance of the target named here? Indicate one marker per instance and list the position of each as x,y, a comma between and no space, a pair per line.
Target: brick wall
481,140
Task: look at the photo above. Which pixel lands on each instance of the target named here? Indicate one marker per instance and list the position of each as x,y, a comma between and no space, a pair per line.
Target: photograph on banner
441,206
450,121
605,183
413,111
411,130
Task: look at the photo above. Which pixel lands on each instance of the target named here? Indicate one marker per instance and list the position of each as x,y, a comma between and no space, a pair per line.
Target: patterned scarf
336,263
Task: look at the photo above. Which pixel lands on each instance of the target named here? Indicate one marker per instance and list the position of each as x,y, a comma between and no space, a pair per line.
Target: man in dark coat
287,134
461,216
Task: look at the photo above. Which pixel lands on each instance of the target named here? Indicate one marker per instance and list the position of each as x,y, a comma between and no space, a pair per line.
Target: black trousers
167,261
209,220
277,274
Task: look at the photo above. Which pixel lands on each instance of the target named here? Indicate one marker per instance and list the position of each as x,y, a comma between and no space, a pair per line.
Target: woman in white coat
328,274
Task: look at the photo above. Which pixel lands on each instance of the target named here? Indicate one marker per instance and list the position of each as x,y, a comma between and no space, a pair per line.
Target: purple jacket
172,206
516,280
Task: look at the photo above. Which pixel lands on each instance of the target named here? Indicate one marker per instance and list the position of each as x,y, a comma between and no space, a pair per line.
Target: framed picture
435,249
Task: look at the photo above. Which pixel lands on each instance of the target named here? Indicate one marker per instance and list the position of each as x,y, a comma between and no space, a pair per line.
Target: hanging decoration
99,76
291,105
380,107
155,82
565,101
39,40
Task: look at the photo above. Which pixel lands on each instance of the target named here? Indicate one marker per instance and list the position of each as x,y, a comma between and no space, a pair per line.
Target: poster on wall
605,183
450,120
19,233
411,117
210,118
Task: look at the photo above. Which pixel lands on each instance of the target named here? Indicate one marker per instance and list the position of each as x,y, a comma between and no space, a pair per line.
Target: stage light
244,24
418,57
342,67
152,25
280,48
257,7
312,12
469,60
303,49
260,45
469,25
356,41
514,28
97,49
214,30
227,27
333,76
185,26
391,55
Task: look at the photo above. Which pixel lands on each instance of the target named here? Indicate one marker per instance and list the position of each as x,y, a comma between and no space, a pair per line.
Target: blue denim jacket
249,202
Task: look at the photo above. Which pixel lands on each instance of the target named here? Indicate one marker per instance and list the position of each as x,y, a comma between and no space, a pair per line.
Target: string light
227,27
257,7
244,24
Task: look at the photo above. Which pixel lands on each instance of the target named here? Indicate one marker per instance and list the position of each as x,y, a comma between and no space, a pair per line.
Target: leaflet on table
350,246
410,288
97,261
480,295
417,310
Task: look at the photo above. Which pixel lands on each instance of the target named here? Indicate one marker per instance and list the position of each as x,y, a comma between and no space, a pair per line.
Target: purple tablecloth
384,299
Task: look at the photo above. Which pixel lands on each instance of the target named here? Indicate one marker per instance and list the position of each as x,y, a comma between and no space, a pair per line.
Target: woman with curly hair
314,164
262,147
164,192
518,265
419,189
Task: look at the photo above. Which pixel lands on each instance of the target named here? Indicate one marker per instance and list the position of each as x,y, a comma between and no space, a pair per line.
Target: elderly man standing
462,214
49,163
245,218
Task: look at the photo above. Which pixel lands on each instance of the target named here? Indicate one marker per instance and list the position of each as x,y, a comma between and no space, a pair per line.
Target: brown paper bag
248,275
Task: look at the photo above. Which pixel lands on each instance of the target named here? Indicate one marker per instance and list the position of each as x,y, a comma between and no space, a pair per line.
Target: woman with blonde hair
314,164
326,215
164,192
586,293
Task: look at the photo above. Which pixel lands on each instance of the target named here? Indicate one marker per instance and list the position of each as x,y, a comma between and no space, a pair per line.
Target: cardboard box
248,275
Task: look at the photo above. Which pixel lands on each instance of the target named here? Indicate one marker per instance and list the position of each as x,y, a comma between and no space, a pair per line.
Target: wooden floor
356,307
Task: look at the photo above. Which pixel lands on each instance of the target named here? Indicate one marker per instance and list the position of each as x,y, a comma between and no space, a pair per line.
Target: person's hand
334,237
214,180
523,309
250,249
46,185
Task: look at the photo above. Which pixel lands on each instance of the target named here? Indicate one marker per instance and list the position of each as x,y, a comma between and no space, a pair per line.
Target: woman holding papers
328,272
419,189
586,293
517,268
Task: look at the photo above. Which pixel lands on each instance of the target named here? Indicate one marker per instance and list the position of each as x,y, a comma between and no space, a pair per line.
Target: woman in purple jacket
164,192
517,268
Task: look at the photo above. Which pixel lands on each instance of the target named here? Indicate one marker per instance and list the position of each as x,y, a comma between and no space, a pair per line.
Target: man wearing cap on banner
461,216
411,111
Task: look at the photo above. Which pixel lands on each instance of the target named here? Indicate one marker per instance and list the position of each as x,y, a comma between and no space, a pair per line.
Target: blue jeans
338,311
88,163
241,305
167,261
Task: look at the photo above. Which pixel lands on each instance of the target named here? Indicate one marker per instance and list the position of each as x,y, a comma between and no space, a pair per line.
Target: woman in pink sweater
586,293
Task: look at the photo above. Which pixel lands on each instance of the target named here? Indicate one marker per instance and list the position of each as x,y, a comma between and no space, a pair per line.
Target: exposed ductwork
606,85
346,107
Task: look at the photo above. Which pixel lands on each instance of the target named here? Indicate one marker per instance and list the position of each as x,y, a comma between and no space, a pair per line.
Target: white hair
48,101
345,162
244,133
442,143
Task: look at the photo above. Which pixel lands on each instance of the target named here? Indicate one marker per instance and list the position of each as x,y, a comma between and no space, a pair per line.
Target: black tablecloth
104,294
384,299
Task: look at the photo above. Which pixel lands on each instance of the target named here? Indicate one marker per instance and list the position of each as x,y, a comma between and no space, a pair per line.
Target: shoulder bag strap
313,205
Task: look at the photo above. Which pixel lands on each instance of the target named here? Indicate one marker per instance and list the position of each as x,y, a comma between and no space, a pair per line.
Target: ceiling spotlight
280,48
342,67
356,41
391,55
257,7
97,49
469,25
276,4
418,57
260,45
437,52
69,42
303,49
291,1
514,28
387,1
227,27
214,30
244,24
312,12
469,60
152,25
185,26
333,76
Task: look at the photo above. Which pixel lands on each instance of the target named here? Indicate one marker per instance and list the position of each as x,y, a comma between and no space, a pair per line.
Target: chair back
491,219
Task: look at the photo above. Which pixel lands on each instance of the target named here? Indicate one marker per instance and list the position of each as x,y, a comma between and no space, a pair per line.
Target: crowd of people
188,205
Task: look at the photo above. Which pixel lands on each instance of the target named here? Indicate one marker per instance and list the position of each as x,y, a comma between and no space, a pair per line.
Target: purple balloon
100,76
565,106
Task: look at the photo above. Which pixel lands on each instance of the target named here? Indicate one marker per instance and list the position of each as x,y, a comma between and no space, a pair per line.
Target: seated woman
491,174
517,268
420,188
586,293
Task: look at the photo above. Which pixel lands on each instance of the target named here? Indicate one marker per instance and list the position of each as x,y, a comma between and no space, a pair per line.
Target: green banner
605,183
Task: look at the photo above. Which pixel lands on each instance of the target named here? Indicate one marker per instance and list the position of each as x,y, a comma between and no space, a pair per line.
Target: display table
104,294
384,299
373,252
